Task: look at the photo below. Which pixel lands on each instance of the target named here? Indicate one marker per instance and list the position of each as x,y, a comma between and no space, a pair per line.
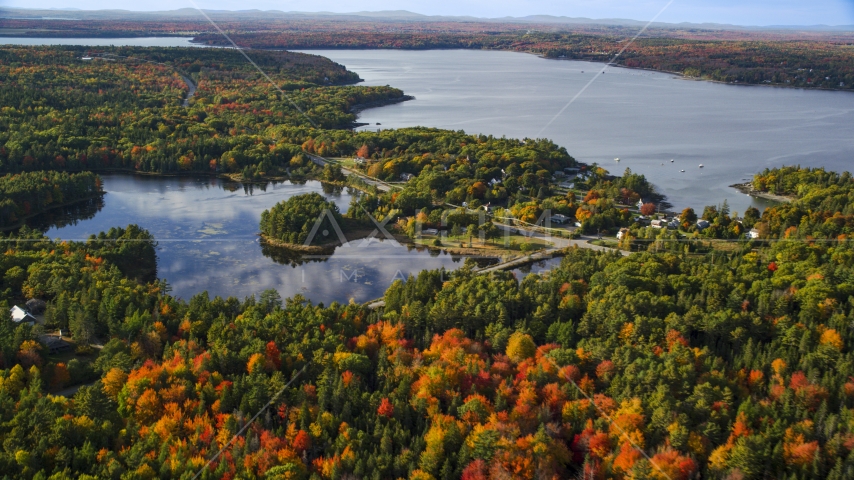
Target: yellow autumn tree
114,381
629,422
255,363
521,347
831,337
15,381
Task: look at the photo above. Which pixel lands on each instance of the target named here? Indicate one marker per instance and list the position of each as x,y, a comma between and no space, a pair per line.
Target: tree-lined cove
207,231
721,349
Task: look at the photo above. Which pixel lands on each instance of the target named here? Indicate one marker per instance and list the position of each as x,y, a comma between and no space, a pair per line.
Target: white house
19,316
640,204
430,231
753,233
622,233
702,224
359,161
406,176
658,223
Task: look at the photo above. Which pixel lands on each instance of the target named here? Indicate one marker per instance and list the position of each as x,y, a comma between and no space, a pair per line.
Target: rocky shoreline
747,188
380,103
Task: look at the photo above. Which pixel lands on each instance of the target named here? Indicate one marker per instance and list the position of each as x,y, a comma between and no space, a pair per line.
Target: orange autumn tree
363,151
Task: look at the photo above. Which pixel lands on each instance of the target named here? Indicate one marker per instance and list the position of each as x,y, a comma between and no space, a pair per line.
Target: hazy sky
739,12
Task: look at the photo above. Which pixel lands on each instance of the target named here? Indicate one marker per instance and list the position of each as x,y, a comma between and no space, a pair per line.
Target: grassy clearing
512,243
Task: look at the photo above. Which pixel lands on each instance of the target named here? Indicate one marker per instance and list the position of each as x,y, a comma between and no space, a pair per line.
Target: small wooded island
293,224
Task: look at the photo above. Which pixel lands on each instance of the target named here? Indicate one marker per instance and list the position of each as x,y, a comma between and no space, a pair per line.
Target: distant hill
385,15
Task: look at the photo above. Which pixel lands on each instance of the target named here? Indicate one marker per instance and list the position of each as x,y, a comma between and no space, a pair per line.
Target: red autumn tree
386,409
60,376
599,445
647,209
476,470
273,356
302,441
627,458
605,369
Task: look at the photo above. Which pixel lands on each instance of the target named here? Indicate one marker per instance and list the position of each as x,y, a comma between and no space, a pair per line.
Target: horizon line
407,15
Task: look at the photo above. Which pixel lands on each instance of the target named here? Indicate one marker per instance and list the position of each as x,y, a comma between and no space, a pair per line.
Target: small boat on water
683,171
671,160
701,165
616,159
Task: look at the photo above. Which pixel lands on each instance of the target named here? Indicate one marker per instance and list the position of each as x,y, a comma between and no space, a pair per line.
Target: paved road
518,262
70,391
192,90
561,242
381,186
558,243
582,242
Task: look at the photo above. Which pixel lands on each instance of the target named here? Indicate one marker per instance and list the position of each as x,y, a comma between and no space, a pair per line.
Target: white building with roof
19,316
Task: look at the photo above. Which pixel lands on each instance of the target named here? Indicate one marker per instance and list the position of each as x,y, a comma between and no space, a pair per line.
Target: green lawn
514,242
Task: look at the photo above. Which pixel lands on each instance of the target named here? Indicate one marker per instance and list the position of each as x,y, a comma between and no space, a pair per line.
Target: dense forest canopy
730,364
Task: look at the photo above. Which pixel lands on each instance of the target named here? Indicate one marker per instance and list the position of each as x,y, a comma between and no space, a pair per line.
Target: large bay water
207,231
103,42
644,118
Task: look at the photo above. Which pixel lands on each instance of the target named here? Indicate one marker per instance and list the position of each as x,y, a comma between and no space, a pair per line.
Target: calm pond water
644,118
207,229
543,267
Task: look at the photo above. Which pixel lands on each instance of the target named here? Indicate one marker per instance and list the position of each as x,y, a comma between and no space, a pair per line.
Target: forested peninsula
30,193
